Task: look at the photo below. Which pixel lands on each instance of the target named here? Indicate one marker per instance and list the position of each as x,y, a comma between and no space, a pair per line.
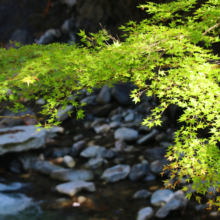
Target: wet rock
71,188
120,145
103,111
21,138
49,36
144,128
89,100
149,177
63,114
129,117
92,151
116,173
98,122
107,154
104,96
102,129
78,137
72,175
52,132
11,187
69,3
145,213
68,161
45,167
143,107
157,166
201,207
177,201
40,101
126,134
94,163
121,93
161,197
156,153
68,25
77,148
138,171
16,166
117,117
142,194
61,152
115,124
22,36
147,137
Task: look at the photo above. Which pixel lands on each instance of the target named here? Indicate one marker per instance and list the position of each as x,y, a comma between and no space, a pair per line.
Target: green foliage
54,71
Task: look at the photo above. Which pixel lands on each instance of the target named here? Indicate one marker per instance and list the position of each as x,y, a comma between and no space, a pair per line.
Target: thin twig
211,28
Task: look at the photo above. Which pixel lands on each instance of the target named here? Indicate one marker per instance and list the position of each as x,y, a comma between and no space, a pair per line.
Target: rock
49,36
41,101
121,92
149,177
103,111
72,175
107,154
147,137
89,100
145,129
104,96
22,36
63,114
16,166
117,117
71,188
92,151
177,201
102,129
69,161
11,187
78,137
45,167
157,166
138,171
126,134
129,117
142,194
77,148
201,207
69,3
114,124
156,153
98,122
94,163
120,145
21,138
161,197
68,25
52,132
162,137
145,213
61,152
116,173
166,144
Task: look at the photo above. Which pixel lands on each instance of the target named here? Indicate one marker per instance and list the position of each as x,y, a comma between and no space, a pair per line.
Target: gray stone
107,154
69,3
78,137
115,124
49,36
63,114
129,117
156,153
144,128
142,194
102,129
161,197
126,134
68,161
157,166
72,175
177,201
138,171
94,163
92,151
120,145
60,152
117,117
98,121
77,148
71,188
52,132
103,111
147,137
89,100
104,96
145,213
149,177
40,101
21,138
116,173
45,167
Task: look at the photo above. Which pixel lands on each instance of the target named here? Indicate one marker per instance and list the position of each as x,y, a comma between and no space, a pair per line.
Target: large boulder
21,138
